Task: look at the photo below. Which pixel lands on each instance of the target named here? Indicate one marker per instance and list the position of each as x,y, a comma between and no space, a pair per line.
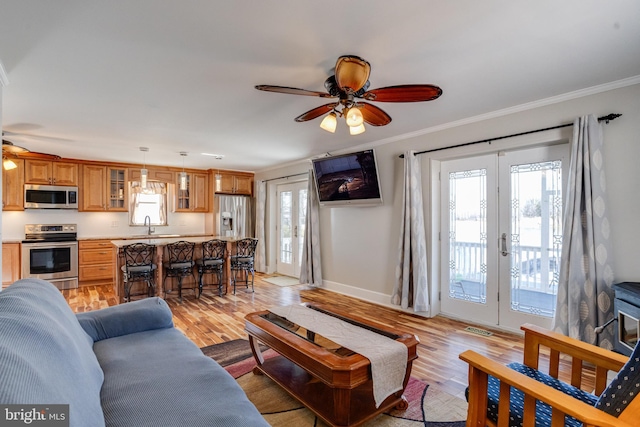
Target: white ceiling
94,79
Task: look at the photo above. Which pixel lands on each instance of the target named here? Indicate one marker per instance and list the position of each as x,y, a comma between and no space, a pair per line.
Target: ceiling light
329,123
354,117
356,130
144,173
9,164
183,174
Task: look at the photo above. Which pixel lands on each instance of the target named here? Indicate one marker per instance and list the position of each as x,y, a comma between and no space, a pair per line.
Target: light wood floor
213,319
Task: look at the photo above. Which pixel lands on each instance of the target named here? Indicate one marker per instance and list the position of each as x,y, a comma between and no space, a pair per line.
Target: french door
501,236
292,215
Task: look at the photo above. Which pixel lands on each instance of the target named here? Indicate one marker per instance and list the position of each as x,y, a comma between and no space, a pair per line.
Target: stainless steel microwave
50,197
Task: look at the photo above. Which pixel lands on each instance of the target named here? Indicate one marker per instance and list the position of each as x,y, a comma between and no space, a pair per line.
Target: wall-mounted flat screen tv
348,179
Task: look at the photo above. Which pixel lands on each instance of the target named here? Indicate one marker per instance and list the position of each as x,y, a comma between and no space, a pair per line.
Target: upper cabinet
13,187
234,183
48,172
153,175
196,197
103,188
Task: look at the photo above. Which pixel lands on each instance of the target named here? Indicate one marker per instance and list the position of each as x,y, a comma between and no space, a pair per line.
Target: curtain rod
286,176
606,119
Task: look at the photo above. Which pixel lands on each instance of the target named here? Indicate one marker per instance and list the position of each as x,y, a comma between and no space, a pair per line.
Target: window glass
150,201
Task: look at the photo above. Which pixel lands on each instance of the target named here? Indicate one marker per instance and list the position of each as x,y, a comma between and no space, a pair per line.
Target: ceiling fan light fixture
8,164
357,130
354,117
329,123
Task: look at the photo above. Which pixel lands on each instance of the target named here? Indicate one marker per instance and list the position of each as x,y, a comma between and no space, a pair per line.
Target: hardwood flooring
213,319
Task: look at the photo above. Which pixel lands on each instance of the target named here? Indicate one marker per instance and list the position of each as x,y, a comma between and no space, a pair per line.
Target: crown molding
4,80
517,109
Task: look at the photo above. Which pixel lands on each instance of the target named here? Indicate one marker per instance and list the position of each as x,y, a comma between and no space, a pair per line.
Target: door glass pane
302,220
286,200
468,235
536,236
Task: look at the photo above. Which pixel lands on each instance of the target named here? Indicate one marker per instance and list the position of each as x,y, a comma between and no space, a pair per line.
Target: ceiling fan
350,83
10,150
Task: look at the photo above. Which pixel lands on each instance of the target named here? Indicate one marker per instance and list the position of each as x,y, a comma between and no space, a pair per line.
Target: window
150,201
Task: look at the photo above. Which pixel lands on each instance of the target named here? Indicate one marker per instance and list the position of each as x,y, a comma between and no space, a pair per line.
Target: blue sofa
120,366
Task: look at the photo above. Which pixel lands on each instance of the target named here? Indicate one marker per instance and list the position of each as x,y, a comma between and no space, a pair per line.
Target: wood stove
626,307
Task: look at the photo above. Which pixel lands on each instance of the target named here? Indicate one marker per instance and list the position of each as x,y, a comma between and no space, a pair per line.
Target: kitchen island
160,241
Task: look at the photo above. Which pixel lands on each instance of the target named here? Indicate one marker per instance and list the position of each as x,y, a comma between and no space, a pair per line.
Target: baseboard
369,296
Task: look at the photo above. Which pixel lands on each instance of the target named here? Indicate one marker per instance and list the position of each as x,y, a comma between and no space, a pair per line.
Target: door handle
503,241
295,231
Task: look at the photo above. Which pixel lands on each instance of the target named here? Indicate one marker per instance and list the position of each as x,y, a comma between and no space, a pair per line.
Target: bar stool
180,265
139,266
242,261
213,255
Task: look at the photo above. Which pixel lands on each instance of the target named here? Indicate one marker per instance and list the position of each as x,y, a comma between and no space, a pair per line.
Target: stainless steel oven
50,252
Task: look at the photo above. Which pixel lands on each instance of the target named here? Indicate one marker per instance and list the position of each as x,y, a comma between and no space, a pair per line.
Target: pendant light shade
144,173
354,117
356,130
183,174
329,123
9,164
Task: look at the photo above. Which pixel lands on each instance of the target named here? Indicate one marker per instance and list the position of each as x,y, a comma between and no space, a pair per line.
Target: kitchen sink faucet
148,224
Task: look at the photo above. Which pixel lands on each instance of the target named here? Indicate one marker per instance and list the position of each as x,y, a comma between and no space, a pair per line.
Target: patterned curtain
261,200
311,265
411,288
585,296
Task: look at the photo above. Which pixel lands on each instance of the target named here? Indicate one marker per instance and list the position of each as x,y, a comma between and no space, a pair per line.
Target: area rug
428,406
282,280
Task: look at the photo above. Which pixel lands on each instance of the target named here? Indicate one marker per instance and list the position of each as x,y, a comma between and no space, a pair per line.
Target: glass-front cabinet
117,189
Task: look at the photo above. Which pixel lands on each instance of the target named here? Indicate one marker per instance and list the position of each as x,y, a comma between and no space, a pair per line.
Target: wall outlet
114,223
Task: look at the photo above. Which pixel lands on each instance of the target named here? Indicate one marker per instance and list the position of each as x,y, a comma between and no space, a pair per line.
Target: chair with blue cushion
520,394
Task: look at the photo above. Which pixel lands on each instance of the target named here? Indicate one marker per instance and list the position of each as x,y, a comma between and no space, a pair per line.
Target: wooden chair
494,389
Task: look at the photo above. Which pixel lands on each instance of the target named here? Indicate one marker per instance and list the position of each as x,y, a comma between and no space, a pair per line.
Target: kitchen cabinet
46,172
13,187
234,183
153,175
103,188
95,261
196,197
11,266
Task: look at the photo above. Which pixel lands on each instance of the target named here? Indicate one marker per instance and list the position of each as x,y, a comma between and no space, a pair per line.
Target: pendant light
183,174
329,123
218,179
354,117
8,164
144,173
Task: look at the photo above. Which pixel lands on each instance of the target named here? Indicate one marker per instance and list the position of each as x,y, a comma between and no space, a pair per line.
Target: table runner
388,357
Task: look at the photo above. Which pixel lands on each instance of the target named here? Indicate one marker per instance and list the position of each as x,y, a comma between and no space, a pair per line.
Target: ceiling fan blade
403,93
293,91
36,155
9,147
352,73
316,112
373,115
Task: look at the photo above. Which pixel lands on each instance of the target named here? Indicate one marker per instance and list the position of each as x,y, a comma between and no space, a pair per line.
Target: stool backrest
181,251
214,249
139,254
246,247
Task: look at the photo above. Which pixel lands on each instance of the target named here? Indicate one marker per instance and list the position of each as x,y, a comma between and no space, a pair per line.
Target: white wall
359,245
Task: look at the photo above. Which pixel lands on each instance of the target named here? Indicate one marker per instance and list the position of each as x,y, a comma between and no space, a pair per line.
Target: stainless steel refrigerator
232,217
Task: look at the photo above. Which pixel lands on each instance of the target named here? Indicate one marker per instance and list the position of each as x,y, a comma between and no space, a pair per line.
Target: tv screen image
348,179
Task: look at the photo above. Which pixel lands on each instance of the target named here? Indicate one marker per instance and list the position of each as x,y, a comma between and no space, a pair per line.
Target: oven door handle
49,244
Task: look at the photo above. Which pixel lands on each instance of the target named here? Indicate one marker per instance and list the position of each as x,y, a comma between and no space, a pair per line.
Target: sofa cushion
624,387
123,319
45,355
160,378
543,411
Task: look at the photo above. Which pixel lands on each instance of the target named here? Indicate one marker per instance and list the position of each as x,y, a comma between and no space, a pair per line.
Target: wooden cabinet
13,187
95,261
196,197
46,172
153,175
10,263
103,188
234,183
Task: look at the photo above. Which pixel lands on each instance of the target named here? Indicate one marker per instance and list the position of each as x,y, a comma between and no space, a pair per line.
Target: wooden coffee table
332,381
